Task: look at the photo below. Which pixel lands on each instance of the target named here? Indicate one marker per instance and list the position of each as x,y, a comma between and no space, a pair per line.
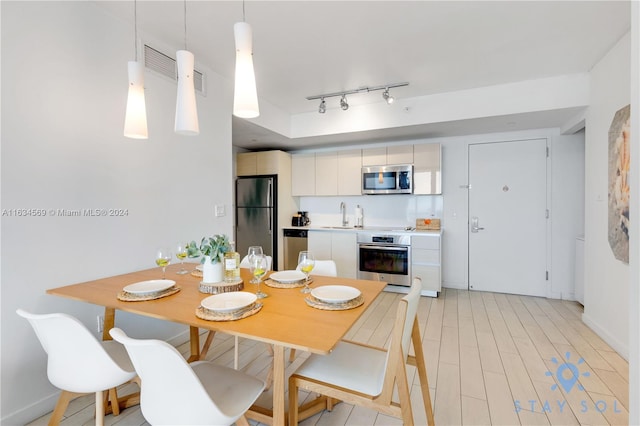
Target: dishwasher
295,241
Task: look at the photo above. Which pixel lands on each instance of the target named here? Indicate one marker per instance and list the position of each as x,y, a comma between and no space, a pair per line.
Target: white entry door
508,217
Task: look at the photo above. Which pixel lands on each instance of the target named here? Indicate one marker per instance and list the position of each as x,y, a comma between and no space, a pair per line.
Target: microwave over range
395,179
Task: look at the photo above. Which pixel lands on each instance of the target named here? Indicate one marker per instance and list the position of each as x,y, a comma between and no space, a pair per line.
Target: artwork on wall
619,184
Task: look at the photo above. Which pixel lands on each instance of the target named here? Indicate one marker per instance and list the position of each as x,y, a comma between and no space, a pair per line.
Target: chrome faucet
343,210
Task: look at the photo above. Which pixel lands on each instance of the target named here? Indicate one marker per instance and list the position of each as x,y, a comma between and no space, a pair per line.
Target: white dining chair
325,268
78,363
344,376
244,263
174,392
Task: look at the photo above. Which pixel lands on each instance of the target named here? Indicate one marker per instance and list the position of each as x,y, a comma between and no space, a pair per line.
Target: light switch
220,210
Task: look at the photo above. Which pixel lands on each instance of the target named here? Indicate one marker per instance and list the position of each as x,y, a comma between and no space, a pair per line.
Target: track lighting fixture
343,95
323,107
343,103
387,97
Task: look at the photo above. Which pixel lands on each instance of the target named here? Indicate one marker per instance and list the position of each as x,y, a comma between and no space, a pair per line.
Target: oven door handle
389,248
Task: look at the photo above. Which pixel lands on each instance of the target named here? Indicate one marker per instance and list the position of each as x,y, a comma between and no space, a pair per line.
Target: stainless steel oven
385,257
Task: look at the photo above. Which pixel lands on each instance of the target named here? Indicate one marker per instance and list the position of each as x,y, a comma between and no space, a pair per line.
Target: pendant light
245,102
135,121
186,109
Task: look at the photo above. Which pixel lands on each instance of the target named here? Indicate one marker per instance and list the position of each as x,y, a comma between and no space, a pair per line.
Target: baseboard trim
618,346
31,412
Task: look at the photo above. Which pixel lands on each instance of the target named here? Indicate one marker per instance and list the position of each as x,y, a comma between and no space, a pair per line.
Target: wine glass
258,268
253,250
163,259
181,253
306,262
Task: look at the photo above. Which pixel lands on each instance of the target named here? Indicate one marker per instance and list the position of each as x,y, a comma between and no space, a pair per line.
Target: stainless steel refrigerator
256,215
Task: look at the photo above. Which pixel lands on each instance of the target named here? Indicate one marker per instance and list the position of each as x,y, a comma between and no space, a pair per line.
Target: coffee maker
300,219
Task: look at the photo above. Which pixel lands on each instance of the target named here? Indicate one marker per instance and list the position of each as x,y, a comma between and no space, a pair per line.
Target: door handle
474,225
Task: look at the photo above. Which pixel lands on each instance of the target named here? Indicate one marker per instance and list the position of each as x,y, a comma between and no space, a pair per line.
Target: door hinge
546,213
547,275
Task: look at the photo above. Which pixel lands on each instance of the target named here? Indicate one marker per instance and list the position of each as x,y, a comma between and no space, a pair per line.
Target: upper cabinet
303,174
340,172
399,154
350,172
326,173
261,163
427,174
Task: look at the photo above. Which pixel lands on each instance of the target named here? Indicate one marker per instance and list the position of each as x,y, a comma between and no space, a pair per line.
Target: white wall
606,279
64,88
566,193
634,207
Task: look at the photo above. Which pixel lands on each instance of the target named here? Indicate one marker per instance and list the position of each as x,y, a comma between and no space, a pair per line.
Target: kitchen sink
337,227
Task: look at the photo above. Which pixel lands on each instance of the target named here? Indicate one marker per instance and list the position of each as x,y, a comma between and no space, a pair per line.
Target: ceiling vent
166,65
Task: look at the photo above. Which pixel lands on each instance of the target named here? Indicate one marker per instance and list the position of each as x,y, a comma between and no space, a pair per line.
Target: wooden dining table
285,320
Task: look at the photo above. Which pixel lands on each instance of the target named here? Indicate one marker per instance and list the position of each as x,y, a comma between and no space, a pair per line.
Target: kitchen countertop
380,229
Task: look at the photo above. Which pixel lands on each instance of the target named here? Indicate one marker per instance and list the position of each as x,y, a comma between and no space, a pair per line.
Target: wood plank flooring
491,359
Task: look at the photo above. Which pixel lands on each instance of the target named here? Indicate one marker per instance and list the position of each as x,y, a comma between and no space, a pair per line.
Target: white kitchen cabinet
344,248
426,262
339,246
303,174
400,154
326,173
350,172
319,243
427,176
397,154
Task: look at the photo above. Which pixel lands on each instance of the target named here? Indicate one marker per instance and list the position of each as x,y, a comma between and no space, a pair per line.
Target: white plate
226,302
199,267
287,276
151,286
335,293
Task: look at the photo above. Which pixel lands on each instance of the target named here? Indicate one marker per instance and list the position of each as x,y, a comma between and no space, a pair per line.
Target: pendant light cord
135,28
243,17
185,24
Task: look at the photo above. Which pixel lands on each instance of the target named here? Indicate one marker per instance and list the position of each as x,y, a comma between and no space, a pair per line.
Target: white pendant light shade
135,121
186,110
245,102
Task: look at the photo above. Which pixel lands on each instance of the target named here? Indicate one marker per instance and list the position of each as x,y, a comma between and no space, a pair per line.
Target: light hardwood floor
491,359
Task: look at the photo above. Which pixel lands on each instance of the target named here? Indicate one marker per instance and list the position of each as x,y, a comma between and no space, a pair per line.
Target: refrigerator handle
269,220
269,193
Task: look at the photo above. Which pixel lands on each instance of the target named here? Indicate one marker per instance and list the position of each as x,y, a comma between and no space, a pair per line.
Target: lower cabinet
426,261
338,246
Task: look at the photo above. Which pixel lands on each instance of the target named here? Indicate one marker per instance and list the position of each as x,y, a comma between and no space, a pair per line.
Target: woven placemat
196,273
319,304
222,287
278,284
131,297
209,315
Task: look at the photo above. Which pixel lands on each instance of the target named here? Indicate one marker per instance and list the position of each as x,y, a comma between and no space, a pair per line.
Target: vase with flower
211,250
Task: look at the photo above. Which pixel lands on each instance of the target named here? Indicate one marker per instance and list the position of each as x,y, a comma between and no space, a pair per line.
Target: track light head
343,103
387,97
323,107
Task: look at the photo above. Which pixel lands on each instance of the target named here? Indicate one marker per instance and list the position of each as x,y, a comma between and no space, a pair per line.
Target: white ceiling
305,48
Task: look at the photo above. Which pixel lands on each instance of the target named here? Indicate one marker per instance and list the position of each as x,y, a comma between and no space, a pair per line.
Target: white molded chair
342,375
244,263
174,392
78,363
326,268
